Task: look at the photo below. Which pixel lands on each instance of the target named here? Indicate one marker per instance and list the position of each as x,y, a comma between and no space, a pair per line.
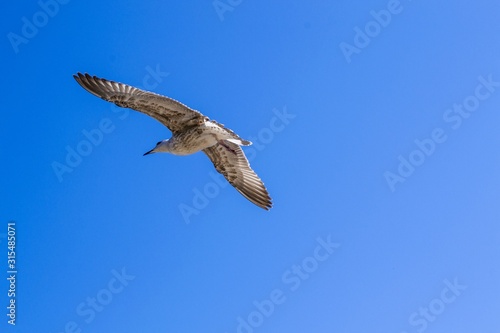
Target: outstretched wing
230,161
171,113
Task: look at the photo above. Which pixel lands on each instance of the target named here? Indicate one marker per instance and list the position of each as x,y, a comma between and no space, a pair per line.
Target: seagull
191,132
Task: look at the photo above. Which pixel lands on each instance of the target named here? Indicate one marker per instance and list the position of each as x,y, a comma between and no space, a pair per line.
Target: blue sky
375,129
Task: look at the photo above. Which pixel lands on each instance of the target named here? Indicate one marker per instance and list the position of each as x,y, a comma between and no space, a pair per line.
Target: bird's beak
149,152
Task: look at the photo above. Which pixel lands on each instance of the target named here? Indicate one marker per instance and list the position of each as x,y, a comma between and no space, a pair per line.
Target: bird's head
161,147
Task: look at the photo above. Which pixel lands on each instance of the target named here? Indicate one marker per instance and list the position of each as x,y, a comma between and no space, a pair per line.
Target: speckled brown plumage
191,132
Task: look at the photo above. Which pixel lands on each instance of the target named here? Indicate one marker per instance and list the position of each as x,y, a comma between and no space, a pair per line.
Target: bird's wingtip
79,76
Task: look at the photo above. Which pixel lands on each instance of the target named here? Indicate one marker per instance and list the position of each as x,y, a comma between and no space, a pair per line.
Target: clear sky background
375,128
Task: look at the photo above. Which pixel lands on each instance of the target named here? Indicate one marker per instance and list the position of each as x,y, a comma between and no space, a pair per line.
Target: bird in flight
191,132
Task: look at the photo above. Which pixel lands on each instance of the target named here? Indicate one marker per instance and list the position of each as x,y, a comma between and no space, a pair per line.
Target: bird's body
191,132
197,138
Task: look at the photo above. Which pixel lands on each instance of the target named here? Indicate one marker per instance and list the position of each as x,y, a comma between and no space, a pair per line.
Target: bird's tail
240,142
